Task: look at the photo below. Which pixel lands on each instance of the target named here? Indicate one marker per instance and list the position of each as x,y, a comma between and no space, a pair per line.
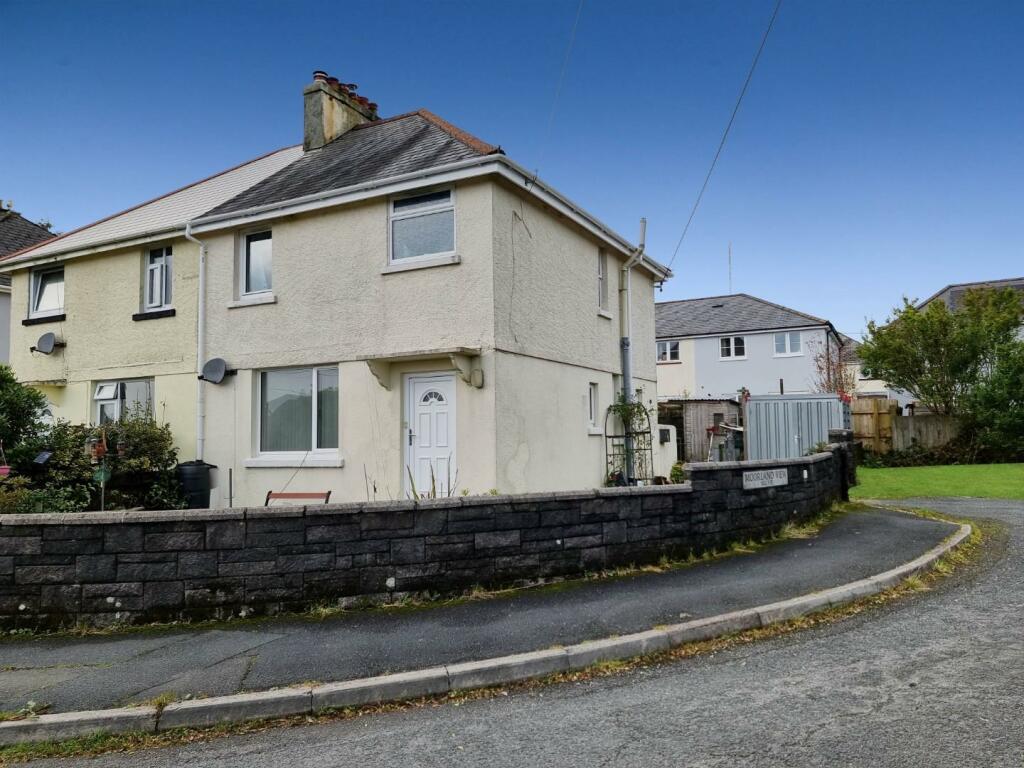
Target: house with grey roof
952,295
392,308
16,233
716,346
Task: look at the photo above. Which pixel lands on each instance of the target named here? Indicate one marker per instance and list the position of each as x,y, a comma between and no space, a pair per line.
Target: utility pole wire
728,127
558,90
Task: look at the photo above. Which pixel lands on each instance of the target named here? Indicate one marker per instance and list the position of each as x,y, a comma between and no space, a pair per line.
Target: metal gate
788,426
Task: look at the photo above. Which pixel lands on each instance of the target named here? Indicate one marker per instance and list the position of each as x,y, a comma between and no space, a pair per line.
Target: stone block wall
103,568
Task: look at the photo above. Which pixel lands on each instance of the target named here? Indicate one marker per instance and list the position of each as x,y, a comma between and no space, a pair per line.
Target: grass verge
987,481
98,744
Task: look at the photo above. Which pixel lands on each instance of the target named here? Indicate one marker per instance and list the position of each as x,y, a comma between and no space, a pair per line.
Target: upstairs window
257,263
787,344
423,226
47,292
668,351
732,347
116,399
158,278
602,280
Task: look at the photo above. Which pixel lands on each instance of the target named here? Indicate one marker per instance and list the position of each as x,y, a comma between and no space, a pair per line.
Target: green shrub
677,474
141,458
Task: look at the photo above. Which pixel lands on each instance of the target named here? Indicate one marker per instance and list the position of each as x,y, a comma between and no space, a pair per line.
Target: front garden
54,466
989,481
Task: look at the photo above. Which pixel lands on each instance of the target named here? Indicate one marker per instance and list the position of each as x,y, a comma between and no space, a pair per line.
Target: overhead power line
725,133
558,89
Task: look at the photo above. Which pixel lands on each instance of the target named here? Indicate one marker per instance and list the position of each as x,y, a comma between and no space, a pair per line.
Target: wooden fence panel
878,426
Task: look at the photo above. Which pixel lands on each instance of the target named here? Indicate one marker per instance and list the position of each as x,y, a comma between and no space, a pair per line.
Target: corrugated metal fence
788,426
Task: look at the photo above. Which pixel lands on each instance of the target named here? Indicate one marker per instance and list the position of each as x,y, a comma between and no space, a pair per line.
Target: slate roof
736,313
953,294
168,212
412,142
17,232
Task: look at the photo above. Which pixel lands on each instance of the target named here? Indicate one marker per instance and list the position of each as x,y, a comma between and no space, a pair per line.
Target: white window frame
36,284
593,405
602,280
732,348
163,269
788,338
243,263
667,346
323,456
116,386
443,257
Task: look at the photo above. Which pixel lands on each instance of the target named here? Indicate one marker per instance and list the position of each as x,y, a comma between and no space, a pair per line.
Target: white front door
430,435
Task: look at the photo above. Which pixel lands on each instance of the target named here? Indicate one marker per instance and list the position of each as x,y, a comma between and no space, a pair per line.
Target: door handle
410,437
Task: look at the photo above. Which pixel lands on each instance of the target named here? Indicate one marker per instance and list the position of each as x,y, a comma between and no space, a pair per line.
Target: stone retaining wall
103,568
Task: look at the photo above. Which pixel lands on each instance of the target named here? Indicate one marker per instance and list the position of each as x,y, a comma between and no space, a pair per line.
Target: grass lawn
991,481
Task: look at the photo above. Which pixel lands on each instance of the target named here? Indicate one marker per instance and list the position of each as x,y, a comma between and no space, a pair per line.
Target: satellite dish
47,343
215,370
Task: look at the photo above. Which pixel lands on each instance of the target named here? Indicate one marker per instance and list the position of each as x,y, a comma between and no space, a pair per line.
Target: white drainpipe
200,345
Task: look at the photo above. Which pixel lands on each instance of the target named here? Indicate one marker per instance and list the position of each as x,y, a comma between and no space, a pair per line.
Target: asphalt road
73,673
934,680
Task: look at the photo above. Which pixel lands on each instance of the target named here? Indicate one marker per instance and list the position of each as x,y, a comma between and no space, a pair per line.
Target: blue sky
879,151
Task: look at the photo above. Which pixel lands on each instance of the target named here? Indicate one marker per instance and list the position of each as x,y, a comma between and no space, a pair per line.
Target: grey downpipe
625,340
200,345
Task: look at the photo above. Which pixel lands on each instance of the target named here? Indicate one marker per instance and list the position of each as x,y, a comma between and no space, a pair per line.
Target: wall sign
765,478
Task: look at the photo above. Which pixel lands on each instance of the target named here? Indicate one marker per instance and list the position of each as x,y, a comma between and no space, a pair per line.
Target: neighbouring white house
16,233
395,307
714,347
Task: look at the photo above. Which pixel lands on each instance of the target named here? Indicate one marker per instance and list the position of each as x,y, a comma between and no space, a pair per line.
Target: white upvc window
602,280
593,405
116,399
47,296
732,348
257,262
422,227
787,344
298,412
668,351
157,292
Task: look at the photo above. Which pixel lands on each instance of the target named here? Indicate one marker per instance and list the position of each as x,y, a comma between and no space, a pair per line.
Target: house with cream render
119,297
395,308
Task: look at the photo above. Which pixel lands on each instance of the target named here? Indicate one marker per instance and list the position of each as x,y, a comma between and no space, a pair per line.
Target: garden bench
323,497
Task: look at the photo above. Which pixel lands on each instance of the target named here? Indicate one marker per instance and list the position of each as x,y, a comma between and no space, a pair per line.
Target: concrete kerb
441,680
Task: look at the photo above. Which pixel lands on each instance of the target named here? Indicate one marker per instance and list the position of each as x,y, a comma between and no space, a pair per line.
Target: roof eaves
26,251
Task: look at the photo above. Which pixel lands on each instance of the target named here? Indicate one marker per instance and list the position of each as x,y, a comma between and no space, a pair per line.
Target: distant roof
166,213
952,293
412,142
17,232
735,313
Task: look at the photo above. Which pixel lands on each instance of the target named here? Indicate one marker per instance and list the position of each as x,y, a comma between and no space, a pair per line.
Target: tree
995,408
940,355
832,369
21,409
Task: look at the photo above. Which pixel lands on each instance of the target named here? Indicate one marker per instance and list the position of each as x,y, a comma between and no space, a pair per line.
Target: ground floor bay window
298,413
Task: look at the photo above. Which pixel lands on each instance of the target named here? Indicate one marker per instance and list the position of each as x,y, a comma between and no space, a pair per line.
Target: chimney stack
331,109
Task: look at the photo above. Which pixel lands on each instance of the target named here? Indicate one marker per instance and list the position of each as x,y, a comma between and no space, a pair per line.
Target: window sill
731,359
267,462
253,300
58,318
604,313
425,263
154,314
670,362
595,431
789,354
